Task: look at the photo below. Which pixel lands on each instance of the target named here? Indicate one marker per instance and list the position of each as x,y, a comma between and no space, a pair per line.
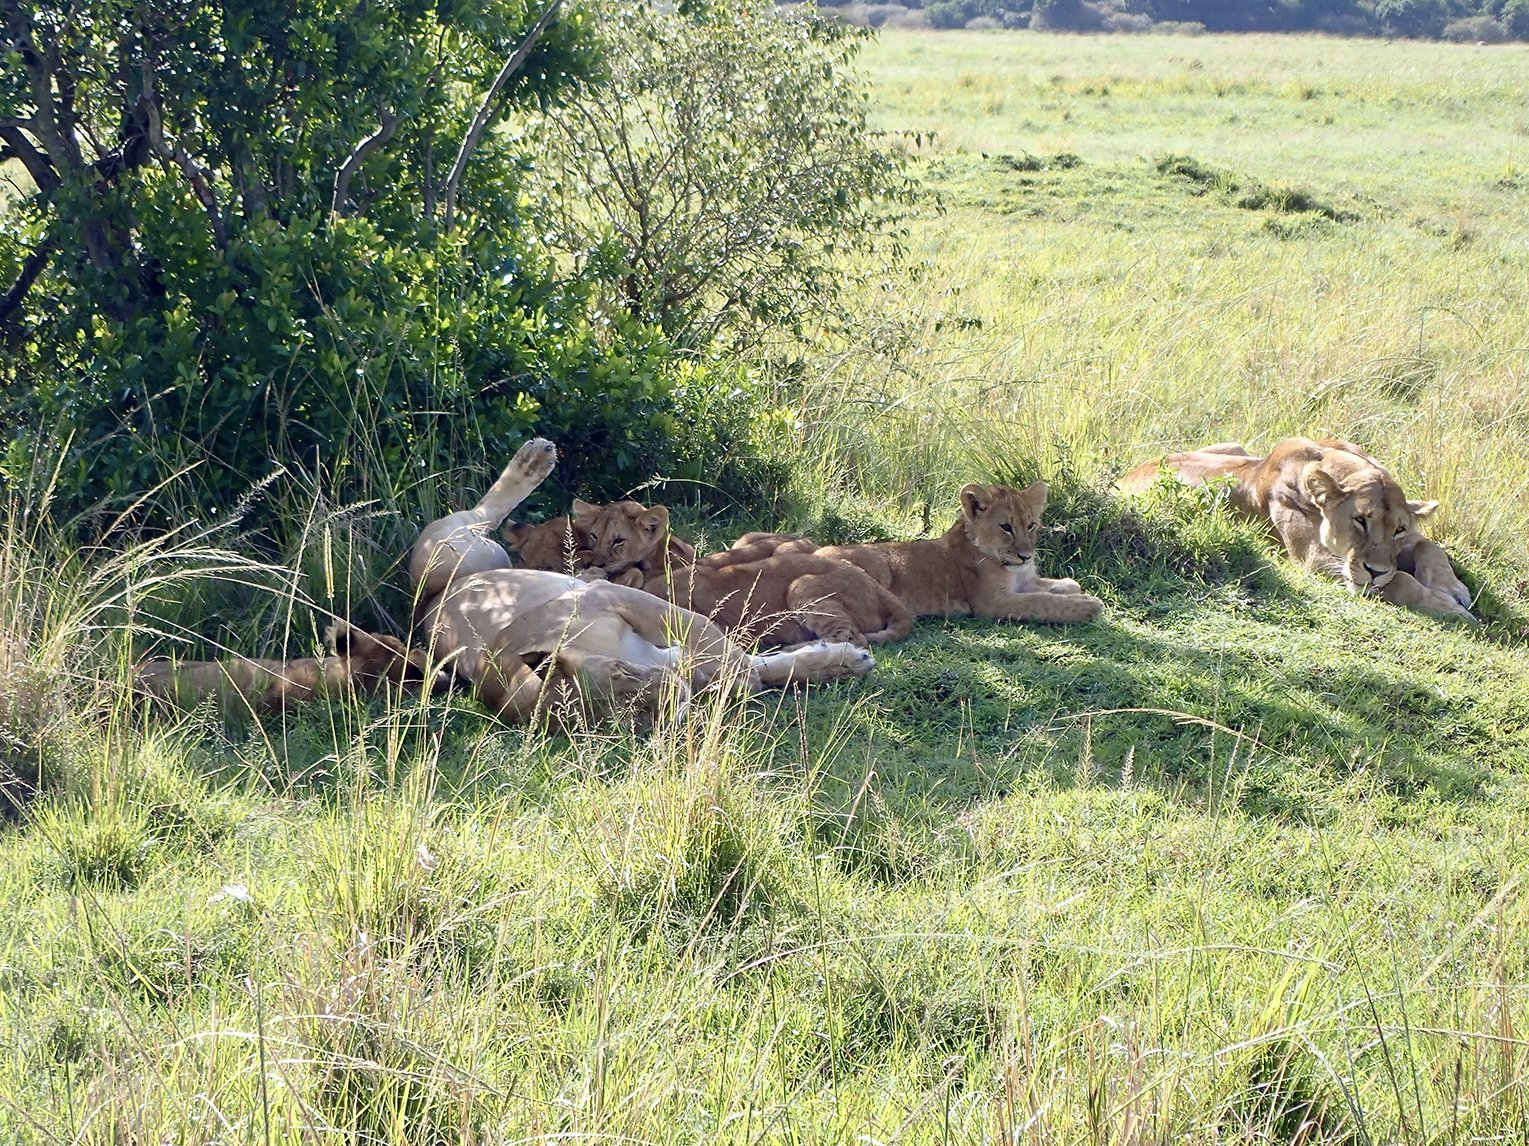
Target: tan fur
358,663
1337,511
559,545
630,542
521,635
781,597
984,565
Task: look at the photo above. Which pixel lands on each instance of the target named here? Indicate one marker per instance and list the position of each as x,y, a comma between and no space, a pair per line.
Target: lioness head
624,535
1366,519
1003,522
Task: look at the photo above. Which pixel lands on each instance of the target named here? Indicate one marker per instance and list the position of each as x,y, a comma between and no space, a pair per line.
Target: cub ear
974,500
1034,495
583,511
515,534
1422,508
655,521
1320,486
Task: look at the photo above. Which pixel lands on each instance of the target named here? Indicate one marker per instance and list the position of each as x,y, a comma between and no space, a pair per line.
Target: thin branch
363,151
173,153
485,110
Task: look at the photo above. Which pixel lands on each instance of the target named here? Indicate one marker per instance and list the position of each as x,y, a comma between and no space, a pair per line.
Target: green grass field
1243,862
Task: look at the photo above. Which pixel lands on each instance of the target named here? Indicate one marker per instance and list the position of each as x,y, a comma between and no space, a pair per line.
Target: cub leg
811,600
1427,561
1406,590
1051,608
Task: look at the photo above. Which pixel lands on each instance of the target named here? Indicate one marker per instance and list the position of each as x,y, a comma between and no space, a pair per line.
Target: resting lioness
359,663
781,599
984,565
516,633
1338,513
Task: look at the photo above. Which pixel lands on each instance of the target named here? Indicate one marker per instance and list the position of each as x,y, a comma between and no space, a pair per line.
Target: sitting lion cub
783,598
1338,513
984,565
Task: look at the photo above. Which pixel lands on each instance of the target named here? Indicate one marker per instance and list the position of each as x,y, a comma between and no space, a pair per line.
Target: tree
721,170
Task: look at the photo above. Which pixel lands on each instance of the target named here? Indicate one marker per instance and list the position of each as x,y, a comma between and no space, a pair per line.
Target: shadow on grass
1287,718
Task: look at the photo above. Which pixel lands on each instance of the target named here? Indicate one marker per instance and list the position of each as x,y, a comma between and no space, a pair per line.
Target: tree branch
30,269
359,156
34,161
172,153
480,121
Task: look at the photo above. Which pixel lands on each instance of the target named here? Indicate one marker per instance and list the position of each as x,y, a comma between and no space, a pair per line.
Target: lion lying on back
1337,511
523,636
984,565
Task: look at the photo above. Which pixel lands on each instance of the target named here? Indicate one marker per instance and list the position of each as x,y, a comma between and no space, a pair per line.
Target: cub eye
1009,529
618,542
1363,525
1033,526
1400,529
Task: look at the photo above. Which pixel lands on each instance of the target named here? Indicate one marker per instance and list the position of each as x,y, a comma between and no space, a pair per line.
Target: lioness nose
1373,572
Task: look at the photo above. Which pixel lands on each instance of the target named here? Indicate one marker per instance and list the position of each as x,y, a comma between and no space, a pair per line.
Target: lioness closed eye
1337,511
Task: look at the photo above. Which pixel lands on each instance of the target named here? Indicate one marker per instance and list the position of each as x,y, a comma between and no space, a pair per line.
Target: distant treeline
1466,20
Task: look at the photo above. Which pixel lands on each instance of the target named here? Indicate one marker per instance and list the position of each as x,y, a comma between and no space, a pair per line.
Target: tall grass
1243,863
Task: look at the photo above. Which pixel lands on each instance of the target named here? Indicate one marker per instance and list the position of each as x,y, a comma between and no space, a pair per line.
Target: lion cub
984,565
784,598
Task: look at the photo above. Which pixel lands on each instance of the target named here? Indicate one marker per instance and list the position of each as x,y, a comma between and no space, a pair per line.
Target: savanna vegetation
1242,862
1465,21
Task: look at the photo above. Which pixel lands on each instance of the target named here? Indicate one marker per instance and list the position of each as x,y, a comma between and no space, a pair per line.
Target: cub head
1366,519
557,545
1003,522
624,535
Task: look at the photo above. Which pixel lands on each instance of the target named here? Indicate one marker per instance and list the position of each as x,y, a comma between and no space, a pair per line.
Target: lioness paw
535,459
1065,585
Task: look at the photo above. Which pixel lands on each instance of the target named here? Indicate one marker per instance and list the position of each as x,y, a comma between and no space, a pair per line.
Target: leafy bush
1475,29
715,178
266,258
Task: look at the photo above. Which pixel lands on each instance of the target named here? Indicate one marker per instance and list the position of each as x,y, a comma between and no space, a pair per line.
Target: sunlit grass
1241,863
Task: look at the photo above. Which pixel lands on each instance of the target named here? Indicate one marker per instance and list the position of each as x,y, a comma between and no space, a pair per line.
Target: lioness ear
583,511
974,500
1422,508
1320,486
655,521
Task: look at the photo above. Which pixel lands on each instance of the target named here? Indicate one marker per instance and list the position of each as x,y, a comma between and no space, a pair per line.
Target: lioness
515,633
783,598
359,662
1337,511
984,565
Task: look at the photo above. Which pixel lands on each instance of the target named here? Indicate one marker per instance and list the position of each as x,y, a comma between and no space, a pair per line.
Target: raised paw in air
536,458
